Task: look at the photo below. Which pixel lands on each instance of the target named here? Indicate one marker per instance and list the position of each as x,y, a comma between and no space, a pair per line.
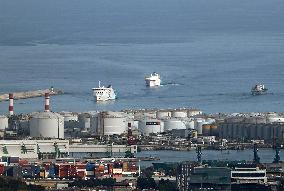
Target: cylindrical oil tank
198,122
193,112
190,124
69,116
3,122
170,124
274,118
179,113
150,125
144,114
151,114
47,125
162,114
113,123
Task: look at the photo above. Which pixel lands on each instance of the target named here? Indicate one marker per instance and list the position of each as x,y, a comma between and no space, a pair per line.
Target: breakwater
30,94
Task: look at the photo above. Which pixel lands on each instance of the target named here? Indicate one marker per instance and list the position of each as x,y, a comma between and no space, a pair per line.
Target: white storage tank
150,125
3,122
47,124
162,114
193,112
179,113
198,122
140,114
190,124
113,123
274,118
69,116
170,124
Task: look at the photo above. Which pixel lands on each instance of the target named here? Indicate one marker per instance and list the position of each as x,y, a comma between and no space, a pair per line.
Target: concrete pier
31,94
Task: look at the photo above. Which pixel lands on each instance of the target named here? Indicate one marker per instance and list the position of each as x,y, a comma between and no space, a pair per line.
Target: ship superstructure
153,80
258,89
102,93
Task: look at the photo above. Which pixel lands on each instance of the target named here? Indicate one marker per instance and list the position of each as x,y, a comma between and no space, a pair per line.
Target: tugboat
258,89
102,93
153,80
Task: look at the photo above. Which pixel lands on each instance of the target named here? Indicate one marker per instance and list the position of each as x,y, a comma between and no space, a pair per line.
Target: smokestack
11,104
46,107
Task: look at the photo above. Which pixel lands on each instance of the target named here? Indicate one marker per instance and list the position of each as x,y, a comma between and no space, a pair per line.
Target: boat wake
171,84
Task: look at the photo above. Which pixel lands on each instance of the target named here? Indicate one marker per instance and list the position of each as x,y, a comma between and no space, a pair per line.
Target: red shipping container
81,174
2,169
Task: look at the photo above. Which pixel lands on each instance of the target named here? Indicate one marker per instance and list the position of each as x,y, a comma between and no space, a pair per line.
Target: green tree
146,183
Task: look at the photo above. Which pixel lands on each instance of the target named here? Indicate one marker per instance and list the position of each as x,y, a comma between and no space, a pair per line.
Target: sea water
209,53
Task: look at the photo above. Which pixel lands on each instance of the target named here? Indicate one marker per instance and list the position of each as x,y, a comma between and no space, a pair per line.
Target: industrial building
34,149
252,126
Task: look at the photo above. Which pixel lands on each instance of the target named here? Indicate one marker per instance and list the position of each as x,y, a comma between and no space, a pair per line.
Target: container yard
69,168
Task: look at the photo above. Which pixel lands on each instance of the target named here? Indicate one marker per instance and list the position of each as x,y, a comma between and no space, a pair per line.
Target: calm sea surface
208,52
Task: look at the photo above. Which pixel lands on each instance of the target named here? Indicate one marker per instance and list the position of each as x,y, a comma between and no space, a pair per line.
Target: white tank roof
46,115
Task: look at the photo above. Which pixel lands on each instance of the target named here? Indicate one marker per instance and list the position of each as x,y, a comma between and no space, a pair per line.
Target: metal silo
3,122
170,124
47,124
150,125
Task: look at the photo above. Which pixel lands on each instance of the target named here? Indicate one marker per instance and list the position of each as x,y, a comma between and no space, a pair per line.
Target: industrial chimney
11,104
46,107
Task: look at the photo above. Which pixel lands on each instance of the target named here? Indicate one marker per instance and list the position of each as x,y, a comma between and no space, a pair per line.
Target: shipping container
13,160
2,169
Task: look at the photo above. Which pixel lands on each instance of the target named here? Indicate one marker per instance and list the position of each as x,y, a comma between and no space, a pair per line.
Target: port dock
31,94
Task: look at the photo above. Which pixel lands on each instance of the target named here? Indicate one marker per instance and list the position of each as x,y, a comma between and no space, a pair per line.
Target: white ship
102,93
153,80
258,89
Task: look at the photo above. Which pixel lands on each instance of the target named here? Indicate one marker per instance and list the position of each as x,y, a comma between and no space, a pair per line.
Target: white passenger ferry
153,80
102,93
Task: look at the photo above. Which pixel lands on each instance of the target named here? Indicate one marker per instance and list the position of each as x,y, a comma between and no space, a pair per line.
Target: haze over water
208,52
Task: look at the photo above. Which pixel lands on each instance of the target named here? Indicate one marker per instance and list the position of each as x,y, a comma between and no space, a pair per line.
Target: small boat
258,89
102,93
153,80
